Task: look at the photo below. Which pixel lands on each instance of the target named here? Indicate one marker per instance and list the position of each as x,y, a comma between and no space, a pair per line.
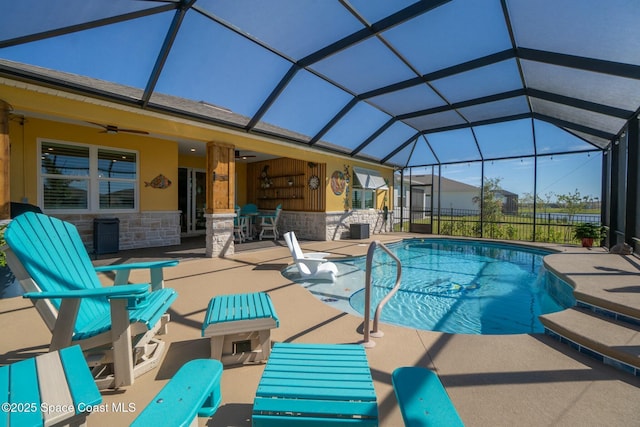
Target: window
363,199
75,177
365,186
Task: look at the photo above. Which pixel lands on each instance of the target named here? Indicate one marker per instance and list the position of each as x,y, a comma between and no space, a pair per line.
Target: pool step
613,342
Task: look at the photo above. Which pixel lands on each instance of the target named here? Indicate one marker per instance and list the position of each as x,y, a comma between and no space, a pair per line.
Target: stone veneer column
221,171
220,235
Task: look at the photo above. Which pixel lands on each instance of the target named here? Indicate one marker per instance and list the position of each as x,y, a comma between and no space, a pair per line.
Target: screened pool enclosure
504,96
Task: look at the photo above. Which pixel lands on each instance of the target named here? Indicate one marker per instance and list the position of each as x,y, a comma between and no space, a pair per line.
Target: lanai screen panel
494,110
358,124
506,139
305,105
292,28
454,146
104,53
456,32
27,17
343,75
606,30
415,98
552,139
379,147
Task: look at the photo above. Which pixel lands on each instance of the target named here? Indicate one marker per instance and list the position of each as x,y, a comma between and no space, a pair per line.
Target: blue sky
558,174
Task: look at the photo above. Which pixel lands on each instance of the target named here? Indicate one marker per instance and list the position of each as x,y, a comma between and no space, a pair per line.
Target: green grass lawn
510,227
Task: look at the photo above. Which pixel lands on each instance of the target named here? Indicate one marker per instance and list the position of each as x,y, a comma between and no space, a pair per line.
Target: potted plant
588,233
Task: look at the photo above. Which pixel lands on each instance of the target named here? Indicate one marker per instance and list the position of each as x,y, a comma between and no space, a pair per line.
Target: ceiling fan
243,156
112,129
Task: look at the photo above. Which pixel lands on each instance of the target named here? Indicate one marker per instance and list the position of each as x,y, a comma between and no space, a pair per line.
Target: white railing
375,332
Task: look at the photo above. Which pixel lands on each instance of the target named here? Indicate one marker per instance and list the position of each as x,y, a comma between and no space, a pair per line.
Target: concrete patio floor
523,380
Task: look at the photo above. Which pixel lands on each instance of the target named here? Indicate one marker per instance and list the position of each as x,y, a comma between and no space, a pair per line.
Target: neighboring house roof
448,185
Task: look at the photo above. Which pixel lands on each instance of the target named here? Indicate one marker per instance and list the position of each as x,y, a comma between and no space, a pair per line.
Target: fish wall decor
159,181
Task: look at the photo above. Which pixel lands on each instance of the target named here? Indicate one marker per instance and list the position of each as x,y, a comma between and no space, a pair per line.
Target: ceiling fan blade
98,124
141,132
116,129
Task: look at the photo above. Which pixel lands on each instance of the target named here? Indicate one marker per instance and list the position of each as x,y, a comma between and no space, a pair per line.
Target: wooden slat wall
298,197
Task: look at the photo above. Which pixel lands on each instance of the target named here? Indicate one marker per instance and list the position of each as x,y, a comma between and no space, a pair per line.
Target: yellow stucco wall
185,161
337,203
241,184
157,155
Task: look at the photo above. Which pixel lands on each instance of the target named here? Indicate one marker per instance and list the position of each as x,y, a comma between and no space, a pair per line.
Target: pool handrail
367,342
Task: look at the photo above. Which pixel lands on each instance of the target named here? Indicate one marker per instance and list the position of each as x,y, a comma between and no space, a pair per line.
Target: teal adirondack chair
57,388
114,325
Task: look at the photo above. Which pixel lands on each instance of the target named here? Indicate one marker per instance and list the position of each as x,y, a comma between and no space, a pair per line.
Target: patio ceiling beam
334,120
86,25
428,144
397,18
514,45
384,24
575,126
445,72
478,123
165,49
469,103
515,157
376,134
400,147
618,69
579,103
272,97
565,100
426,141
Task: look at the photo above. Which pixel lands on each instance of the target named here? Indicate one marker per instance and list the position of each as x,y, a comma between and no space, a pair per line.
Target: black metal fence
552,227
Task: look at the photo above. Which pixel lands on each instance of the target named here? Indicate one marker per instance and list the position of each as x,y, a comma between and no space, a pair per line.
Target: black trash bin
359,231
106,235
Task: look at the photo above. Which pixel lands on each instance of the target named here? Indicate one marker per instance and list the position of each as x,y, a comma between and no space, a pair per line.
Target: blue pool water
453,286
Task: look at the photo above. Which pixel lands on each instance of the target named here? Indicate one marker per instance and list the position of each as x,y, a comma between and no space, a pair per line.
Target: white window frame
364,192
93,200
363,197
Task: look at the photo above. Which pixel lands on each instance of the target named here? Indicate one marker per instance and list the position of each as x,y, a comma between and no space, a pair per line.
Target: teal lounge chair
57,389
316,385
114,325
423,400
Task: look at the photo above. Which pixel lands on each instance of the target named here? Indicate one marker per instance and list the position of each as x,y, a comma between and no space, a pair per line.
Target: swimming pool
454,286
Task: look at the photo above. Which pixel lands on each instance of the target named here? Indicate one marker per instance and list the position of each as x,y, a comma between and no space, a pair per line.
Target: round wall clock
314,182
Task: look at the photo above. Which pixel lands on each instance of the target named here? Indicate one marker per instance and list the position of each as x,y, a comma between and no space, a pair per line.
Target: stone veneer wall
162,228
328,225
219,241
136,230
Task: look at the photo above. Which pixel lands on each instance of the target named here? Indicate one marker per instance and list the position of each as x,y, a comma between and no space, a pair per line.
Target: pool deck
523,380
